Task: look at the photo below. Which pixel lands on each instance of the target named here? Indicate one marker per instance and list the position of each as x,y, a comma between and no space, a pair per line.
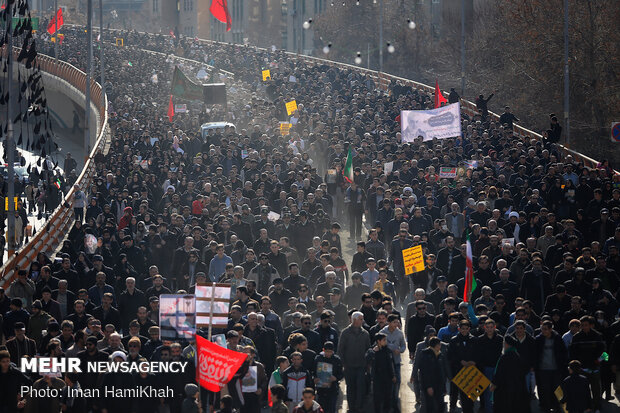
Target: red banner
216,365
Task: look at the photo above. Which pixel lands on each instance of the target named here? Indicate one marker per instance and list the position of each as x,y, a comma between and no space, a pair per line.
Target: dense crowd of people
264,212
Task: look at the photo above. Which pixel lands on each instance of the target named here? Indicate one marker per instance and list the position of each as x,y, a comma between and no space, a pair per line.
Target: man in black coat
508,385
11,381
576,390
587,346
415,326
536,285
265,343
488,350
526,348
106,313
67,273
383,374
129,301
20,346
551,358
433,377
461,354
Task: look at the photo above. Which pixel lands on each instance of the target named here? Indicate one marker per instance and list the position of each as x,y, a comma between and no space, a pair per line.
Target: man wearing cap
440,293
22,288
98,266
153,343
20,345
15,315
191,268
603,228
415,326
49,305
341,316
354,291
38,322
263,222
263,274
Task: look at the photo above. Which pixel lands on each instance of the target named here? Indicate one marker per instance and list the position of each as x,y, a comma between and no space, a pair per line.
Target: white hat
513,214
118,354
407,188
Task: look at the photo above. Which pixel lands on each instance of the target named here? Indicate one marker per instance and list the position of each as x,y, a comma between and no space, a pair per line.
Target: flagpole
56,33
9,136
210,332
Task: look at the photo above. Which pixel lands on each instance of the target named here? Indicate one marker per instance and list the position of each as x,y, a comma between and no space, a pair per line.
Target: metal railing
58,224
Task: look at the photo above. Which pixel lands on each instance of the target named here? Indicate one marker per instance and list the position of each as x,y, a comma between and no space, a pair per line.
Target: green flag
348,167
184,88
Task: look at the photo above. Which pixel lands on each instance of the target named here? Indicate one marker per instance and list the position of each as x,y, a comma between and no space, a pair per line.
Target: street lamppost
462,47
89,37
566,78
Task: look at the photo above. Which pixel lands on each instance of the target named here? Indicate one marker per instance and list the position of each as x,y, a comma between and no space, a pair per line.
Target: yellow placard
119,41
6,203
413,258
291,107
559,394
285,128
266,75
471,381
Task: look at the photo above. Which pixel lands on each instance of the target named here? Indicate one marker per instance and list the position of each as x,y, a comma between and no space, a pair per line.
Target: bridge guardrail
59,222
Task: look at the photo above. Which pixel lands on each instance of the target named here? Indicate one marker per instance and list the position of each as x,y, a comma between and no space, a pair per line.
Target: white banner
440,123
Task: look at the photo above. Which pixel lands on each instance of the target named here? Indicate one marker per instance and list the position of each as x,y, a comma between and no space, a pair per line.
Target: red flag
439,99
52,27
170,109
219,10
216,365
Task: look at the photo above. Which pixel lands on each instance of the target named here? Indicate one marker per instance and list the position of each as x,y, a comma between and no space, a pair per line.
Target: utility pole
89,64
101,57
462,48
566,78
381,37
10,144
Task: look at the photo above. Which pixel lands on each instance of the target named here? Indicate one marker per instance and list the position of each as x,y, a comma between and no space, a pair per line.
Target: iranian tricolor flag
470,281
348,168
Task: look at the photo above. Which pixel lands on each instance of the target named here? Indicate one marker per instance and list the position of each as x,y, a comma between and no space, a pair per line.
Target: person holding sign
328,368
396,259
461,354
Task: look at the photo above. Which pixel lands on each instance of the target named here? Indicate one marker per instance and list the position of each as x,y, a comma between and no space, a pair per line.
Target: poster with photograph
249,383
323,372
177,316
